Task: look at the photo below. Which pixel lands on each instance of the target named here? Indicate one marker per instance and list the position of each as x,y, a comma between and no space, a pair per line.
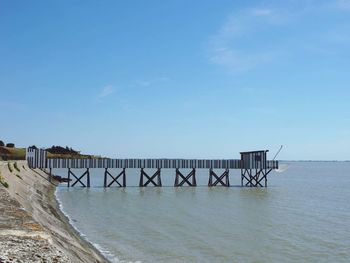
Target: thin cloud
238,61
150,82
343,5
261,12
223,46
106,91
235,49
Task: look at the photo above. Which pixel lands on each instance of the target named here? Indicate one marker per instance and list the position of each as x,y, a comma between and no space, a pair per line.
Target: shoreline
33,226
105,253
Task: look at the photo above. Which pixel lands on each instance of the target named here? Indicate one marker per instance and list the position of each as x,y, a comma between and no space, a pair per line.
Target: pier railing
151,163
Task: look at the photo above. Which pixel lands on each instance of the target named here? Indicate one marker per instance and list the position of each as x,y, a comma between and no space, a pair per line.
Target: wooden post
68,177
185,179
86,173
159,178
115,179
176,183
141,178
219,179
150,179
210,183
124,178
228,178
88,177
194,181
255,180
105,178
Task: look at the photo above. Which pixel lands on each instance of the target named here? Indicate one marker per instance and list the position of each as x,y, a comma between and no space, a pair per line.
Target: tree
2,143
10,145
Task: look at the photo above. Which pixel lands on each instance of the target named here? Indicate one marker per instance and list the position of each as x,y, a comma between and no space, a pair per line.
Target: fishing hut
255,168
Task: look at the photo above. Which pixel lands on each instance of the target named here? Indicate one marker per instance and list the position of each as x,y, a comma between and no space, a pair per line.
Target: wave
282,168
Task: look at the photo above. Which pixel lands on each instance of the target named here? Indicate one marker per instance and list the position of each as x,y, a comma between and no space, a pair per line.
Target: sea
302,216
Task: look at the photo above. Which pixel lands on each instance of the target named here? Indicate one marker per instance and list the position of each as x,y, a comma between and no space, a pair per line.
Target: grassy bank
8,153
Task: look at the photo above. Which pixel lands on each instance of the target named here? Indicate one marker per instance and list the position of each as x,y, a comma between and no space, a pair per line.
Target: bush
20,177
10,145
2,143
10,167
3,182
16,167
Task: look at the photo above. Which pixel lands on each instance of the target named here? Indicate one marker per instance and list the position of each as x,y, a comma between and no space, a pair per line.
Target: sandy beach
32,227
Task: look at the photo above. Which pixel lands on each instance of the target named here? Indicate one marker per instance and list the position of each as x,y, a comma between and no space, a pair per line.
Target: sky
177,79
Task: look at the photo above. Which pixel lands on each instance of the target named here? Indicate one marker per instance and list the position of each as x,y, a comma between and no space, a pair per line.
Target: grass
20,177
13,153
3,182
10,167
16,167
71,156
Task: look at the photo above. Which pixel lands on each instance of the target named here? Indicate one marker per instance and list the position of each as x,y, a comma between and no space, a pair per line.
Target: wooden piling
121,175
219,179
79,179
68,184
185,179
255,177
105,178
88,177
150,179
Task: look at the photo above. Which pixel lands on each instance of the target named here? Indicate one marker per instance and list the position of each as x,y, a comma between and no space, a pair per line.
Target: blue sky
187,79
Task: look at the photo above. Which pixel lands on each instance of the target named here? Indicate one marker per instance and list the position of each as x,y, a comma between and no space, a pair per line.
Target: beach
32,227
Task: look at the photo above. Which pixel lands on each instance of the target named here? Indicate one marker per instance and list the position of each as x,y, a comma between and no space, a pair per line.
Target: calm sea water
303,216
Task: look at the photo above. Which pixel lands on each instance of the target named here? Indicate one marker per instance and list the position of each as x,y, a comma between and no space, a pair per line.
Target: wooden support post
210,183
150,179
88,177
141,178
79,179
159,179
185,179
219,179
254,180
124,178
68,177
115,179
105,178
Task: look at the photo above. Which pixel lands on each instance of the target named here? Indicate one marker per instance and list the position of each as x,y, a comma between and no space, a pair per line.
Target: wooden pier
254,168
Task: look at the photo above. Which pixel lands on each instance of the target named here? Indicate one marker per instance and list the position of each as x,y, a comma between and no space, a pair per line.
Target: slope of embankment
32,228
